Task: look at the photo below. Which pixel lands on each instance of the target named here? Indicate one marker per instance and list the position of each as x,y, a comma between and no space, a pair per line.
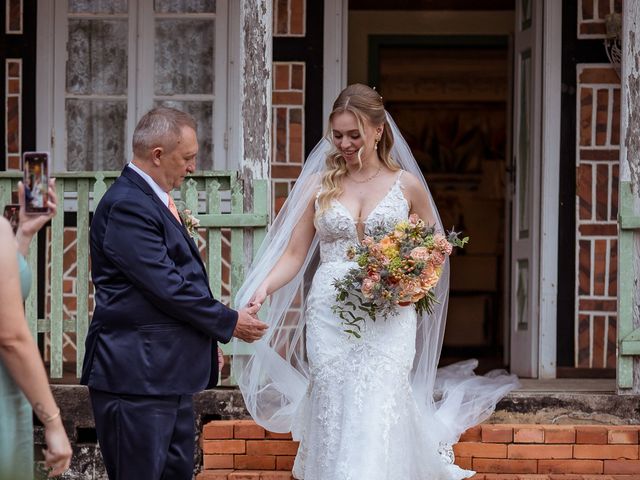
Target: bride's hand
258,297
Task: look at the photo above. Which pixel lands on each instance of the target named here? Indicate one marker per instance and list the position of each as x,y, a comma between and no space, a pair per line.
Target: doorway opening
449,93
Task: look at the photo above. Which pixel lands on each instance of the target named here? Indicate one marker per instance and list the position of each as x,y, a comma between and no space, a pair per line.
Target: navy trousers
145,437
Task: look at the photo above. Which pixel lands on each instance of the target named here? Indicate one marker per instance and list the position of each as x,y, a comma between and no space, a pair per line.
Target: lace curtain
96,80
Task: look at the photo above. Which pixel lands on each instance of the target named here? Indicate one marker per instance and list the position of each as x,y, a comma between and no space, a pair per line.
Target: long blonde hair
366,105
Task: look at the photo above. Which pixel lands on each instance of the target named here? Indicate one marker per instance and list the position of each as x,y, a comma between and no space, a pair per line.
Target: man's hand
220,359
249,328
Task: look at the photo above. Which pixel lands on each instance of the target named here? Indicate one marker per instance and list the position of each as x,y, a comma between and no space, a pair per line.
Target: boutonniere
190,222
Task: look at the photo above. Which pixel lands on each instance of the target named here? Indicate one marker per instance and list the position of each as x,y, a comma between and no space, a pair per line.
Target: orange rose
411,291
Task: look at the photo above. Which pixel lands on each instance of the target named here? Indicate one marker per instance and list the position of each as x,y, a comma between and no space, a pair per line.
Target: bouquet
394,269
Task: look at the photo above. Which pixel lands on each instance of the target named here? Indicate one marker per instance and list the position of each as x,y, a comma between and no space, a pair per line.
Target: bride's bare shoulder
409,180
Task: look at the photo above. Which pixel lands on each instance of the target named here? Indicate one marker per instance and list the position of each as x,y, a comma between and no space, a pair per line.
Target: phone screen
12,213
36,181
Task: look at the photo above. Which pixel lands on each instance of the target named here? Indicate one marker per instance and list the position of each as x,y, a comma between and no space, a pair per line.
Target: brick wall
288,128
592,15
288,103
14,79
597,154
596,216
240,449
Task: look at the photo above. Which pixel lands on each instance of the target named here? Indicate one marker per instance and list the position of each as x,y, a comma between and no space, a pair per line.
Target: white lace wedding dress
359,419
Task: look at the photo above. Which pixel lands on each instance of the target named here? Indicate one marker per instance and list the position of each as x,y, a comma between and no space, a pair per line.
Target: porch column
254,66
256,38
628,371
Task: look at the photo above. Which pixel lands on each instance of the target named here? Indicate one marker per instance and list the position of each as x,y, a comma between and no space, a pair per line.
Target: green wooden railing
628,335
216,198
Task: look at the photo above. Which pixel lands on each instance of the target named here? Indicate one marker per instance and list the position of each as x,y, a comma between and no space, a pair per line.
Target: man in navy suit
152,342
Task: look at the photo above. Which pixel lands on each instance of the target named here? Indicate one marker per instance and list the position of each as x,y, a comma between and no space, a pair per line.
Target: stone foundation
572,436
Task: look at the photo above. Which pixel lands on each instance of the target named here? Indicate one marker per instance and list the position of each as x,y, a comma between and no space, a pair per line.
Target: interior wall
363,23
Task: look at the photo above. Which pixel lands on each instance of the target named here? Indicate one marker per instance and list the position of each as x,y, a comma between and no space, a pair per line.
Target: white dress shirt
162,195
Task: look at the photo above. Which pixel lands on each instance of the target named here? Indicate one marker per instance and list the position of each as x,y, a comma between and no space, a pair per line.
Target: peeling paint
630,160
256,88
255,97
632,137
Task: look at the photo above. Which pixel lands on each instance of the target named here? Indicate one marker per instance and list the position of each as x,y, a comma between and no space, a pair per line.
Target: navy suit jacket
155,323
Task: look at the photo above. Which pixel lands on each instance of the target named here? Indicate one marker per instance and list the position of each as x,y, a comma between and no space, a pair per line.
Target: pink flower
420,253
436,258
367,287
375,277
414,218
442,244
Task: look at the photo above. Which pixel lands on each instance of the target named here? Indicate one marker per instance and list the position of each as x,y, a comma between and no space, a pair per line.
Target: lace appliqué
446,452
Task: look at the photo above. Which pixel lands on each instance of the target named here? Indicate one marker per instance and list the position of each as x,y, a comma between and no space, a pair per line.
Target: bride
375,407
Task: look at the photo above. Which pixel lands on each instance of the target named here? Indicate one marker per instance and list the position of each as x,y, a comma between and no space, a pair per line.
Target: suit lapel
144,186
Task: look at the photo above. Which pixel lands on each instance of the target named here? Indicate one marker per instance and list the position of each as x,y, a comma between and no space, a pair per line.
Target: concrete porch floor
567,385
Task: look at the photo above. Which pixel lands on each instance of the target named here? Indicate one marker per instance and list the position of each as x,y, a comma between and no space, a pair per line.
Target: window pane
97,57
95,134
203,113
184,57
184,6
98,6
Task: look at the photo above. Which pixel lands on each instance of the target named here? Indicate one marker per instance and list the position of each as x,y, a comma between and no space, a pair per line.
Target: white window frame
51,58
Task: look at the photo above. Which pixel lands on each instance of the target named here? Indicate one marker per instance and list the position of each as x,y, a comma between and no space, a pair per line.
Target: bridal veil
275,377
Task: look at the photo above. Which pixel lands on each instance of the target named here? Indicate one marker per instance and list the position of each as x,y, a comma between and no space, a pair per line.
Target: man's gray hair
160,127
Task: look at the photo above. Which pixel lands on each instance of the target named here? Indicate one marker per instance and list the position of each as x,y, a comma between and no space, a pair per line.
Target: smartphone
12,213
35,167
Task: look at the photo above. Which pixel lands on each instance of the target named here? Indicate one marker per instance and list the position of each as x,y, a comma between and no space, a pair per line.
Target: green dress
16,418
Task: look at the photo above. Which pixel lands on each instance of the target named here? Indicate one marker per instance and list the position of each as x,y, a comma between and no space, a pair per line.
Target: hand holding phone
35,167
30,224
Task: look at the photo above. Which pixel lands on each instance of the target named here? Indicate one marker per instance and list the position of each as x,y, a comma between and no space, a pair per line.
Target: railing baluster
56,282
260,206
99,189
5,191
190,195
90,188
214,240
31,302
82,269
237,240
